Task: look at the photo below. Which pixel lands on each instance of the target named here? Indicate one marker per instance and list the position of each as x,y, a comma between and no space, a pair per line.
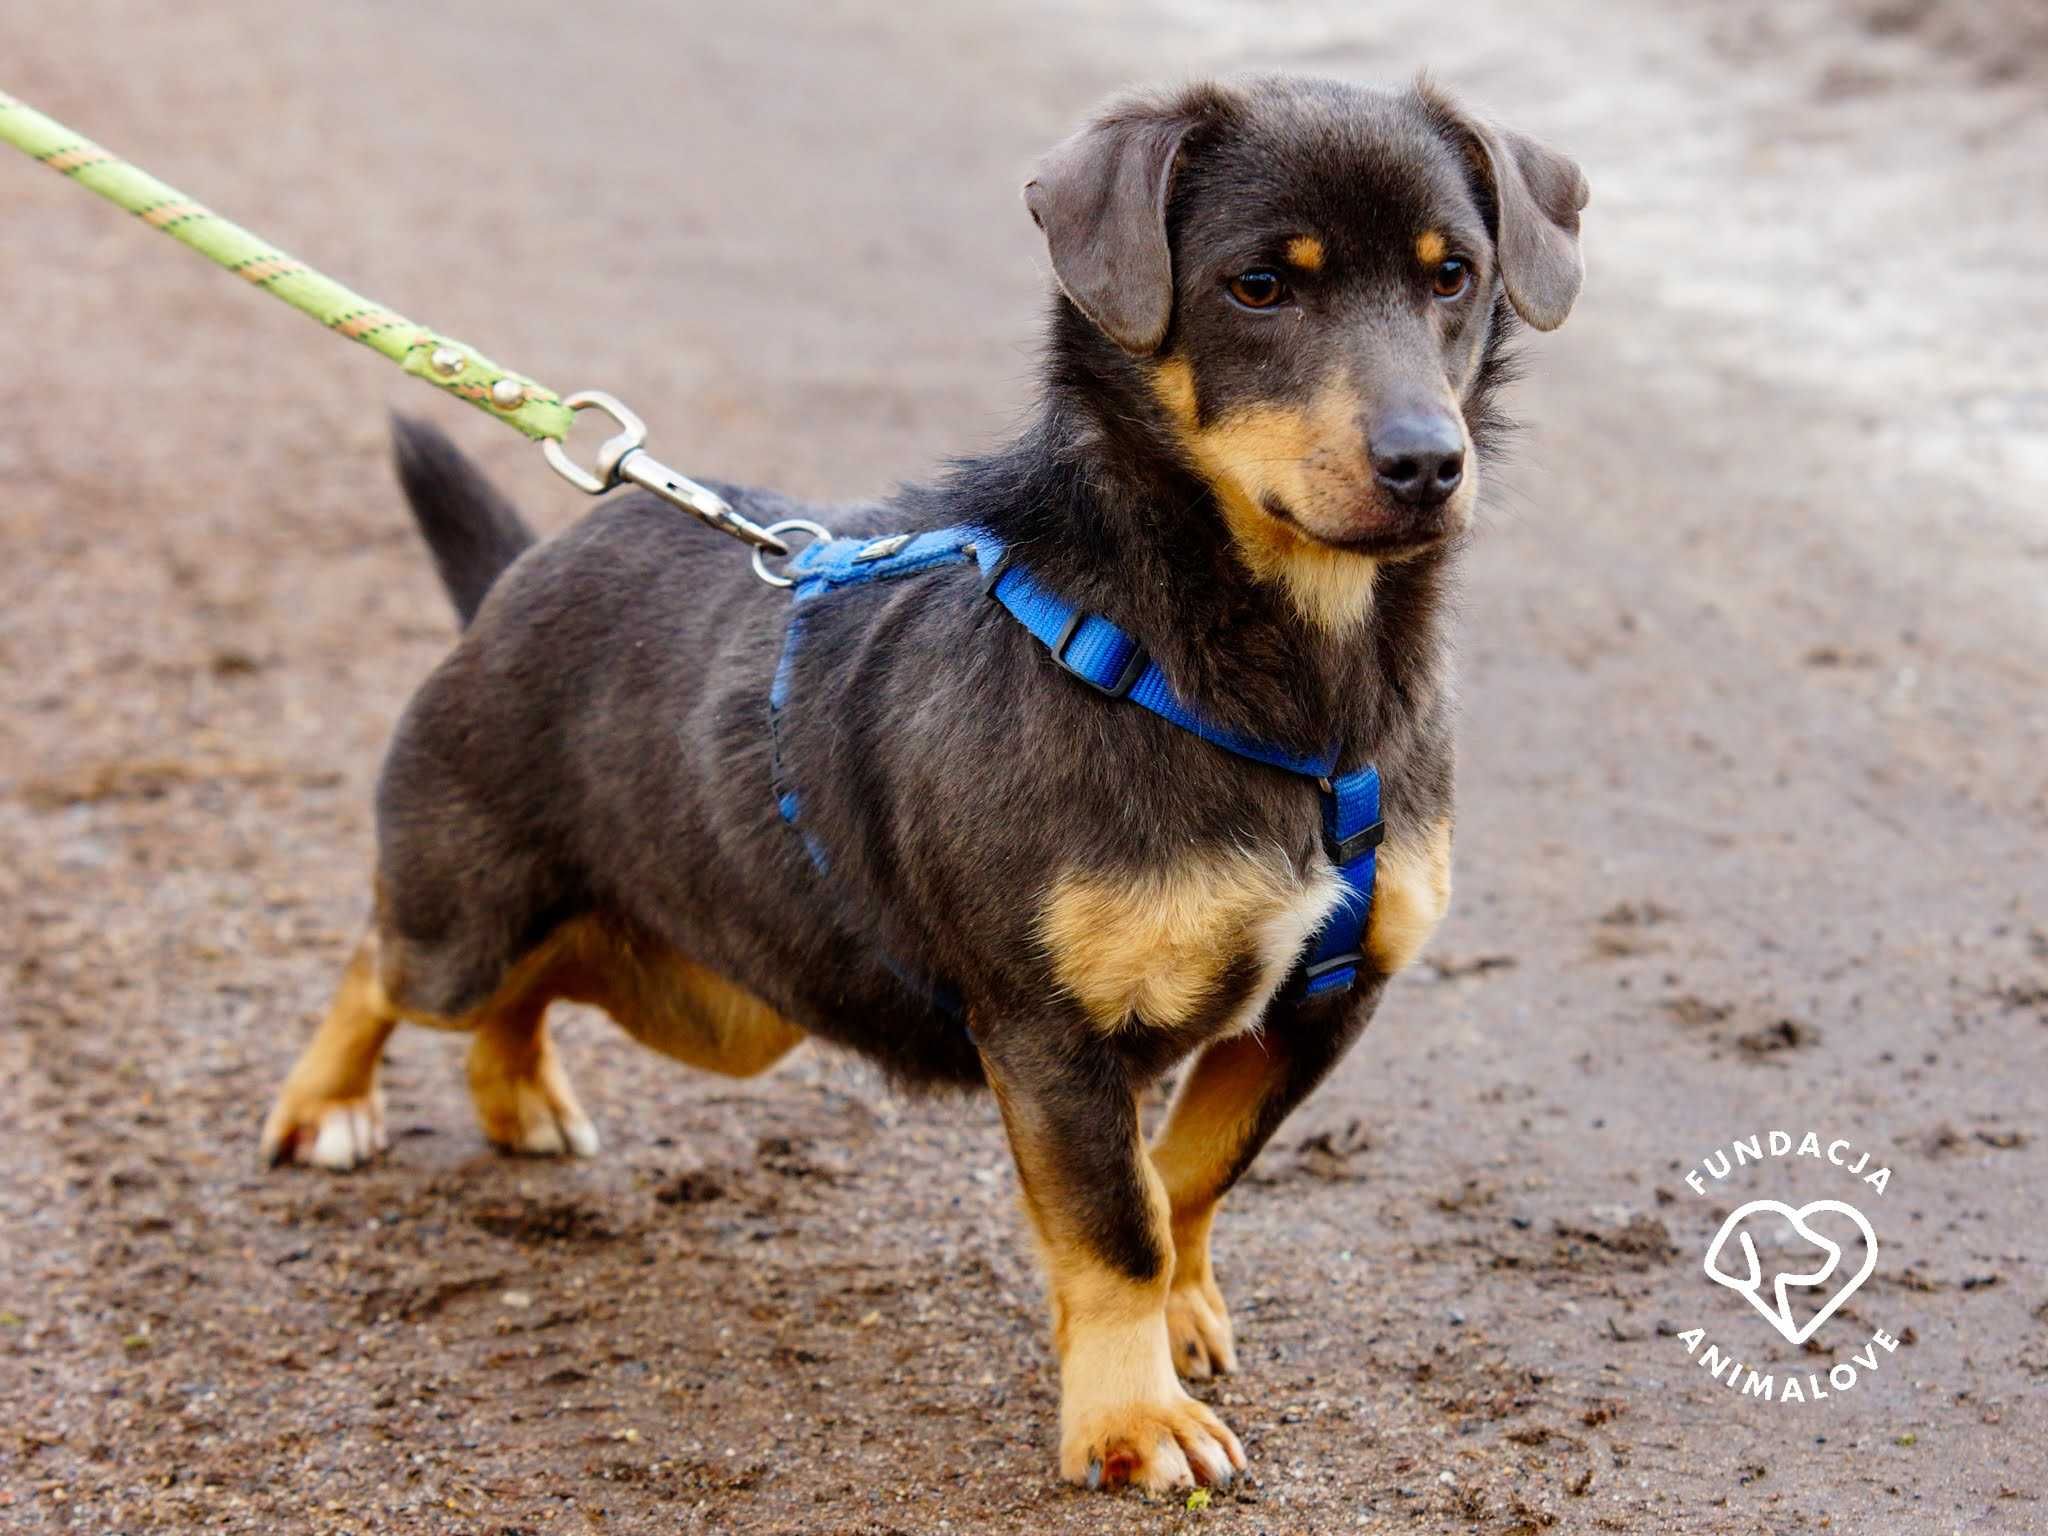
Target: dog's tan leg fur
1198,1154
675,1006
1124,1416
522,1096
330,1112
1410,896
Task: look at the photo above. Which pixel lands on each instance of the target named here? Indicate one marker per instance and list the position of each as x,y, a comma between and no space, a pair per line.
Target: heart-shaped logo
1778,1310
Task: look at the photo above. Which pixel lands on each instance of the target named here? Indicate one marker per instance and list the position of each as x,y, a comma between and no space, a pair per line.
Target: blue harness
1115,665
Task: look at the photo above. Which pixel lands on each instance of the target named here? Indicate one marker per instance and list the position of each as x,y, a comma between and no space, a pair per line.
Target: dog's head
1308,278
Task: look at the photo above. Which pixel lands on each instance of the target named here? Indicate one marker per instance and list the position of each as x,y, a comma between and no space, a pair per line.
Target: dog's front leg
1100,1212
1231,1101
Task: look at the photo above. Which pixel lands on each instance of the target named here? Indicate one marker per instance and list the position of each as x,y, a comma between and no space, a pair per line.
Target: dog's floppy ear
1100,197
1538,193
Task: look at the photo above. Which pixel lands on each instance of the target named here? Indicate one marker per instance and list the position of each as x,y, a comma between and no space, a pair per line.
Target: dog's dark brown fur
577,803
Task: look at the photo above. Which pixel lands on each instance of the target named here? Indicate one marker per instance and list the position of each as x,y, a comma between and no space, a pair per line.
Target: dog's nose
1418,456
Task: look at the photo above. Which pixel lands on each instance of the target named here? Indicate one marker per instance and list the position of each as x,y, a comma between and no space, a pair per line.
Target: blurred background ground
1754,799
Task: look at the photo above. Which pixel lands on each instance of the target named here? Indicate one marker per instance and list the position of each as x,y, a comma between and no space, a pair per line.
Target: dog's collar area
1112,662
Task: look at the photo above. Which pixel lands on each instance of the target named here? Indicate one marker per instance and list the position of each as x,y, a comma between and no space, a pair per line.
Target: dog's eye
1450,278
1258,289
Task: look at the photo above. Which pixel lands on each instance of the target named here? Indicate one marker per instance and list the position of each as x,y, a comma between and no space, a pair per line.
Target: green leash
425,354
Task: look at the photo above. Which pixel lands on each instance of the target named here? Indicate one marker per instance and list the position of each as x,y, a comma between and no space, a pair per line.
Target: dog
1278,335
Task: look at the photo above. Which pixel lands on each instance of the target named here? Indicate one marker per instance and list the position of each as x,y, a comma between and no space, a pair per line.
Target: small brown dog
1272,372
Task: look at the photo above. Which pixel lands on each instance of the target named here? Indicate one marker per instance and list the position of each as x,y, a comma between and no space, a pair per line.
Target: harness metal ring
817,531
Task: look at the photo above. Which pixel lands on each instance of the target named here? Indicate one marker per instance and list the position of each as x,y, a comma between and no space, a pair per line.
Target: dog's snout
1419,456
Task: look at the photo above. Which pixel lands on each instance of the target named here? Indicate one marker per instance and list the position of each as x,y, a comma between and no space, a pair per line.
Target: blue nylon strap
1100,654
830,564
1111,661
778,695
825,566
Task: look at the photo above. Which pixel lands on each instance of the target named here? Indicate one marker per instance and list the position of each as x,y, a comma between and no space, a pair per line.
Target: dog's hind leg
522,1096
330,1112
658,996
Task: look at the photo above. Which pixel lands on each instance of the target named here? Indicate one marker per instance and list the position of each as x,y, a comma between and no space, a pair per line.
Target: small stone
517,1299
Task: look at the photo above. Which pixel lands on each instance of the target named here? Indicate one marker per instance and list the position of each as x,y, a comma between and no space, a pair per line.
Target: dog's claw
1167,1445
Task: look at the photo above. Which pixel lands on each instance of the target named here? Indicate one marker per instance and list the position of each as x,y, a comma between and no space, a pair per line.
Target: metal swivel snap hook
624,457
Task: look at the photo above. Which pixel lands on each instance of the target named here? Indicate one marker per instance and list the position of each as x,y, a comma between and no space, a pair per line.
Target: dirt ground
1754,791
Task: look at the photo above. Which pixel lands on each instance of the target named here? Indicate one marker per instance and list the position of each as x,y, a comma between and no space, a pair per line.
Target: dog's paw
1198,1326
1162,1446
529,1120
523,1099
336,1134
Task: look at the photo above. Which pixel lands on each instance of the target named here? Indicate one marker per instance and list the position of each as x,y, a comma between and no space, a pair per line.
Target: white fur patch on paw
338,1135
549,1126
581,1136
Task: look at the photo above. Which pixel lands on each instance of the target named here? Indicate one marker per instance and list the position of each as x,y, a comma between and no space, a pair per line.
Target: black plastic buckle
1356,846
1126,680
1350,958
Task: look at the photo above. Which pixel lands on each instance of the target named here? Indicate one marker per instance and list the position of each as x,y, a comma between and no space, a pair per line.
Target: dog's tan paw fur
1165,1444
1198,1327
523,1098
336,1134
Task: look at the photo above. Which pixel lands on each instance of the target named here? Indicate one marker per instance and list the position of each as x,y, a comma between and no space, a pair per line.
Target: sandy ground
1755,792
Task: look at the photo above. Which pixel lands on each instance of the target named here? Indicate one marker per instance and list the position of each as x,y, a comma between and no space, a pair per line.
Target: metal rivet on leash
507,393
447,361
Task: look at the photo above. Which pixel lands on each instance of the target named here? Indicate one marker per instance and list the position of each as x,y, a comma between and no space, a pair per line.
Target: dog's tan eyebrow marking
1306,252
1431,247
1174,383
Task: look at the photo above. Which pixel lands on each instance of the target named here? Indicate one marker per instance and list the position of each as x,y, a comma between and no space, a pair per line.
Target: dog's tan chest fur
1152,948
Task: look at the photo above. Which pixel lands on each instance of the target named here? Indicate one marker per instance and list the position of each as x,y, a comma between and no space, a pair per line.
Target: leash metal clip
625,457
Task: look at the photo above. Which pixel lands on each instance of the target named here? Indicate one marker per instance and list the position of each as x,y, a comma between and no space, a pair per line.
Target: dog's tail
472,530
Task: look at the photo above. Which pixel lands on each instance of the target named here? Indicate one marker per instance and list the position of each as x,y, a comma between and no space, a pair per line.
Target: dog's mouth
1375,527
